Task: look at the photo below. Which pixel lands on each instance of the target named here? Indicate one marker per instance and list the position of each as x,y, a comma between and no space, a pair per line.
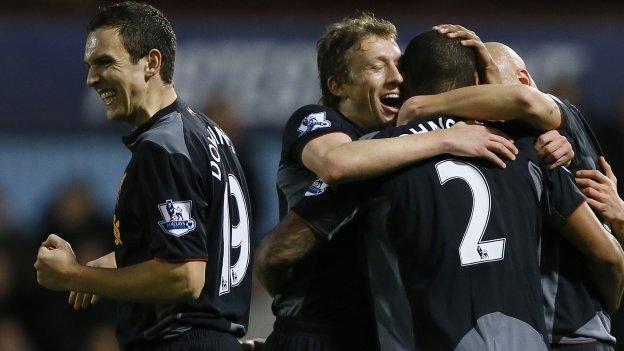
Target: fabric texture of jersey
328,286
572,310
466,237
305,124
183,197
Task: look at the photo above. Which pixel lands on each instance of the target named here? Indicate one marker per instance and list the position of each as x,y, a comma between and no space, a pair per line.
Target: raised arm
488,102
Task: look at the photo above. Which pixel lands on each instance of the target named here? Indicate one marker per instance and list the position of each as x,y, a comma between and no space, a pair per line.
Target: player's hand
253,344
475,140
83,300
410,110
554,149
487,68
56,263
601,192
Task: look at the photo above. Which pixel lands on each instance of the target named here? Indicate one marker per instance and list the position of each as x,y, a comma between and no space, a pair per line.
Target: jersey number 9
235,236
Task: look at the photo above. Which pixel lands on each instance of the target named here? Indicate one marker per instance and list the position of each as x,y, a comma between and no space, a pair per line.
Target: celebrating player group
433,199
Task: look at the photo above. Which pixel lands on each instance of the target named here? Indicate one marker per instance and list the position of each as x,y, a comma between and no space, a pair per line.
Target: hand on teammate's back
601,192
476,140
554,149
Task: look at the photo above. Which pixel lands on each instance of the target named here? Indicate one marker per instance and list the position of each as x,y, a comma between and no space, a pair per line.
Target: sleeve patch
177,217
317,188
313,122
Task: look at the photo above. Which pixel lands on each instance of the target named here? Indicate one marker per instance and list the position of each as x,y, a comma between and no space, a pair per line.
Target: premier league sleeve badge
313,122
177,217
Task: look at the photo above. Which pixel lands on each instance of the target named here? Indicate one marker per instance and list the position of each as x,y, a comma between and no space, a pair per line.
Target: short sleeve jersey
183,197
328,286
305,124
466,236
573,312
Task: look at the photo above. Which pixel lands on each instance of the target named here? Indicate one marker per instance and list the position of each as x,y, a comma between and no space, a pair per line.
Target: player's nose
92,78
394,76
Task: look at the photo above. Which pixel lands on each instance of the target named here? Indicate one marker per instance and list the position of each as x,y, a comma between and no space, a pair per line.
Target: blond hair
339,41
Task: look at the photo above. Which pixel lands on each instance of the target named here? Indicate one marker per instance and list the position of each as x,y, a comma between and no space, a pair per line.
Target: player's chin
388,115
115,115
388,119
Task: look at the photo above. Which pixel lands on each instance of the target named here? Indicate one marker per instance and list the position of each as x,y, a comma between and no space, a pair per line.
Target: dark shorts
295,335
590,346
195,340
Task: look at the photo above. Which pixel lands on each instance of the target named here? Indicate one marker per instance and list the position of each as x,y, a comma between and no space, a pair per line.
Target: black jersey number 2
472,250
235,236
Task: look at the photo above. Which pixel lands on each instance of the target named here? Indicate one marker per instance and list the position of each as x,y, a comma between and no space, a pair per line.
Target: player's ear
475,78
525,78
153,64
336,86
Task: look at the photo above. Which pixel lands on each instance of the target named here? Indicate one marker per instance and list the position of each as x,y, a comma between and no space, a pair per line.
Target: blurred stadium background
248,66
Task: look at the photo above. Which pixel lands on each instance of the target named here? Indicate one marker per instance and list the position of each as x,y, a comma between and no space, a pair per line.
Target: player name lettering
217,137
429,126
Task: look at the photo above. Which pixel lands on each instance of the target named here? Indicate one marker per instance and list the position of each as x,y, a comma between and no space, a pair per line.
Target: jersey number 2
472,250
235,235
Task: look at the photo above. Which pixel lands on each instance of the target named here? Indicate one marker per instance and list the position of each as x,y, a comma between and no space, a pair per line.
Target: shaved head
511,65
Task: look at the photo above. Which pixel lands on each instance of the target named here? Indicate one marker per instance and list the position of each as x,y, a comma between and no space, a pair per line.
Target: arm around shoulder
487,102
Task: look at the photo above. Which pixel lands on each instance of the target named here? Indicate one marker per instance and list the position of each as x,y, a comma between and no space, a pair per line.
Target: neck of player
348,110
158,97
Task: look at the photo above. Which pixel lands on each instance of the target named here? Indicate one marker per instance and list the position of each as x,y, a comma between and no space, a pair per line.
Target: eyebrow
386,59
98,59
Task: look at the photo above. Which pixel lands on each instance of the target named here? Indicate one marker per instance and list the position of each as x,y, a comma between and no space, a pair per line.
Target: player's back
184,199
466,236
228,279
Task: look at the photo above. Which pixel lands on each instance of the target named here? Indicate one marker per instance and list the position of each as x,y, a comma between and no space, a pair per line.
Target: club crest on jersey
317,188
177,217
312,122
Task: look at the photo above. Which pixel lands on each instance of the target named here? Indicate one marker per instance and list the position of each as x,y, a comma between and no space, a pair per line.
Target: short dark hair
339,41
433,64
141,28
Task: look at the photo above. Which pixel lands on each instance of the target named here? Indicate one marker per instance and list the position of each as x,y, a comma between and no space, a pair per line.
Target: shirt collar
131,139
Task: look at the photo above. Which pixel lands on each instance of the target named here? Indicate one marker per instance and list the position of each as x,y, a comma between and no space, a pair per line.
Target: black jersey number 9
472,250
235,235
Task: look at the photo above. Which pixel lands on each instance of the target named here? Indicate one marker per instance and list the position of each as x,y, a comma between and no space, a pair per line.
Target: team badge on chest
177,217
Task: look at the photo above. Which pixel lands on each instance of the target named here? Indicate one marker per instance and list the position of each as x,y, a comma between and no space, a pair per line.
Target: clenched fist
56,263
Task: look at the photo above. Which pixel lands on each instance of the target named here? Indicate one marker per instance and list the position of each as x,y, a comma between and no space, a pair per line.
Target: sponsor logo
177,217
312,122
317,188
